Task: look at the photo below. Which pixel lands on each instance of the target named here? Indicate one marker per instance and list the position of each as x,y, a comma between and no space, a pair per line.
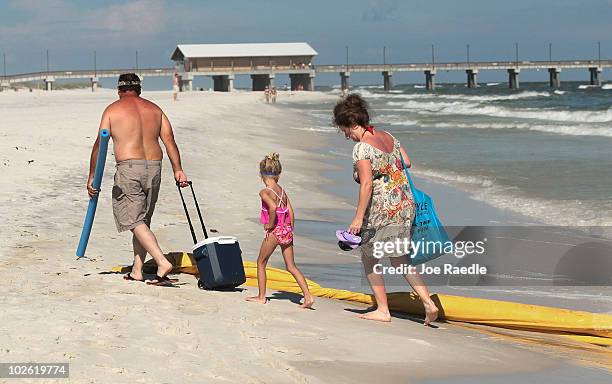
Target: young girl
278,220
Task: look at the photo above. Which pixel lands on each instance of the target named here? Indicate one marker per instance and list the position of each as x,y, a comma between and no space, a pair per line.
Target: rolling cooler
219,259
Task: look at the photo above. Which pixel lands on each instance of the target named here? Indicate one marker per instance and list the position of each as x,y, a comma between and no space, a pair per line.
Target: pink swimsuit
282,231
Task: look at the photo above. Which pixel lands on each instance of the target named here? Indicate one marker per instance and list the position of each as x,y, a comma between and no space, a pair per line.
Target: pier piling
223,83
344,81
430,79
230,83
272,81
595,79
471,78
387,80
513,78
49,83
260,82
186,82
302,80
554,79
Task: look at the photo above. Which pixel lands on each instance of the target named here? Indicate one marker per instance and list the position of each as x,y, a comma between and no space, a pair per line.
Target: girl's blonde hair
270,166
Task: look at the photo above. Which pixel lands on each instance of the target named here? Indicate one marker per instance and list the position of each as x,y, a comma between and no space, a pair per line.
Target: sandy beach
59,309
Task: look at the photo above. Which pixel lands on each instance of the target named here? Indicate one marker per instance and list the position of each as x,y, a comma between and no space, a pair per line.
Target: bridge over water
471,69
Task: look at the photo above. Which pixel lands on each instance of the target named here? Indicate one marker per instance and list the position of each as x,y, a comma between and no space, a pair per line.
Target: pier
302,75
94,77
471,70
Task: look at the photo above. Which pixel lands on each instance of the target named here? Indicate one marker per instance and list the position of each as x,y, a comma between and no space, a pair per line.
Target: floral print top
392,203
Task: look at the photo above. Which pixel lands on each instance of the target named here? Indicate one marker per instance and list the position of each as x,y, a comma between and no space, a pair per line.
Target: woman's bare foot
257,299
376,315
431,312
308,302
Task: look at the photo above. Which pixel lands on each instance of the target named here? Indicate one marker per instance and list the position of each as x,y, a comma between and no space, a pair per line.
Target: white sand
58,309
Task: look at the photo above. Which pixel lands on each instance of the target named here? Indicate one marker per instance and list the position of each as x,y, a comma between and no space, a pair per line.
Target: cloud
37,6
134,19
380,10
62,22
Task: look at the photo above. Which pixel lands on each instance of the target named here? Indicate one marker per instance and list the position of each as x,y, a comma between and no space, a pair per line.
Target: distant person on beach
267,94
175,86
279,220
385,208
136,125
273,94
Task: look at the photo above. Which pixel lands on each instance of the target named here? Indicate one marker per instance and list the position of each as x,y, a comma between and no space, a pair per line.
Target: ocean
542,153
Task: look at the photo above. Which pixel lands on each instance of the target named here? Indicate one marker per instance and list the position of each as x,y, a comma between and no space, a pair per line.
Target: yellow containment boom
588,327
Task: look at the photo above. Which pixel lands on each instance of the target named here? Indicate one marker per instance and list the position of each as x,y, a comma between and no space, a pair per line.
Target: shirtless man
136,125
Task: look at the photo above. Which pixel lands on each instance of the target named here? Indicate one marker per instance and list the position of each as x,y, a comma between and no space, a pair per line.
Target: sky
71,30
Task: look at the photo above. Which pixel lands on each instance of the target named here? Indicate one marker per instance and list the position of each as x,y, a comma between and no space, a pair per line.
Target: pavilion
262,61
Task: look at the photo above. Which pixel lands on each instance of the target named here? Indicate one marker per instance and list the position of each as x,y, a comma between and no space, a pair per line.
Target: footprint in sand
306,335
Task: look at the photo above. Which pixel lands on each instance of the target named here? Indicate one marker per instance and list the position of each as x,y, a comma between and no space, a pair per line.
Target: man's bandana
129,82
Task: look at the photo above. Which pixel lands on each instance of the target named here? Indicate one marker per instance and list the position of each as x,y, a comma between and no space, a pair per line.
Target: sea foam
461,108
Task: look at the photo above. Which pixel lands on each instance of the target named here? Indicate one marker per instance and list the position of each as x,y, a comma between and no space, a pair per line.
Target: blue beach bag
429,237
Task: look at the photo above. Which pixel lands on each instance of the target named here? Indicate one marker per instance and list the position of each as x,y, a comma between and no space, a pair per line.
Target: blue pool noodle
93,202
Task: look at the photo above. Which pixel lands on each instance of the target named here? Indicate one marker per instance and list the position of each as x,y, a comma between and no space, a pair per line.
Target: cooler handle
226,240
193,236
199,212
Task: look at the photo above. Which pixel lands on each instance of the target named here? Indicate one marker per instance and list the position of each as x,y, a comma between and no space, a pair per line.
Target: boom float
591,328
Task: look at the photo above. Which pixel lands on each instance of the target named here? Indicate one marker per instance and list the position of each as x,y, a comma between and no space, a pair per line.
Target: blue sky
71,30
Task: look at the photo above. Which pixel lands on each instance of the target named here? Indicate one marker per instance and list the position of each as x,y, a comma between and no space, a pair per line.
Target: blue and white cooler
219,259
